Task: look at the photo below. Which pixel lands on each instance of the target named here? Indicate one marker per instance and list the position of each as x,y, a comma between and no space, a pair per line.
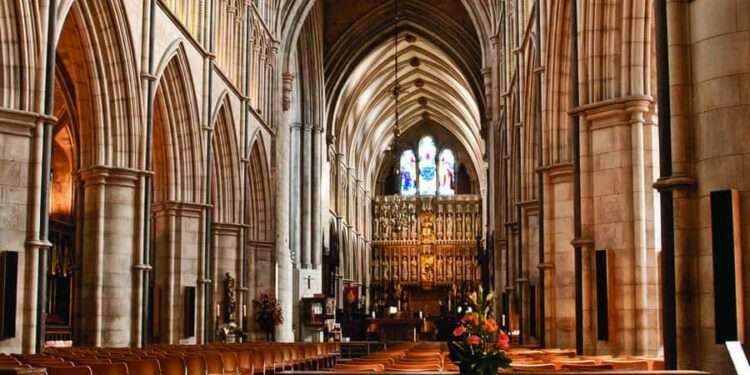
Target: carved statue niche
404,268
426,220
459,222
414,268
376,269
395,268
449,268
230,300
386,269
449,223
439,268
439,223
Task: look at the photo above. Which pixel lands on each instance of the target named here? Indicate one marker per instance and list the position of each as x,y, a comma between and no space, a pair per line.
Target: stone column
284,266
294,201
177,233
306,194
318,149
20,193
108,232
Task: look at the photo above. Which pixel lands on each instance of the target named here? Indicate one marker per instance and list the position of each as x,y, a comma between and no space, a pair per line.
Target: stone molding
103,175
613,112
21,123
558,171
227,228
174,208
674,183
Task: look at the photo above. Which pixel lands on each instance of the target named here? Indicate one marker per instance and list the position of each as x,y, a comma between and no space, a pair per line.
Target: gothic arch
112,132
20,71
226,165
178,168
260,204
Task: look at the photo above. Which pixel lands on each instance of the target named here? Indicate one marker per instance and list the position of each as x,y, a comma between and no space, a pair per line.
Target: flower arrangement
267,313
479,343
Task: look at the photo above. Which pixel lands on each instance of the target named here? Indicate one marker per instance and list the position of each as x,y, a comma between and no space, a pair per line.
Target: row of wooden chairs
215,359
546,360
412,357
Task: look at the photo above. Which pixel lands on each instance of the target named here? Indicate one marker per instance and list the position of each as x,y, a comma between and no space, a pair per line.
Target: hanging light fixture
396,83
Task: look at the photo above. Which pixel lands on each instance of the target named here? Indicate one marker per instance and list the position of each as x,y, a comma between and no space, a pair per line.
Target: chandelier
396,91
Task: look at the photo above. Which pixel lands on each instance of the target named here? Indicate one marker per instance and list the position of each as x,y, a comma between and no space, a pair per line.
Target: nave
199,173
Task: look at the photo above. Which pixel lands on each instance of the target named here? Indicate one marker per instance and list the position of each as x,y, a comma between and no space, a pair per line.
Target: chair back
172,365
143,367
214,363
109,369
195,364
79,370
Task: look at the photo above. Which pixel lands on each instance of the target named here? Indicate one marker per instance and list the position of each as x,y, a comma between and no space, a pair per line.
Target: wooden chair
143,367
92,361
586,367
360,367
109,369
627,364
214,363
230,363
172,365
195,364
54,364
79,370
532,367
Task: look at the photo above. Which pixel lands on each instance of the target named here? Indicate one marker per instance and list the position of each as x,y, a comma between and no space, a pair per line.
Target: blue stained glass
408,168
427,166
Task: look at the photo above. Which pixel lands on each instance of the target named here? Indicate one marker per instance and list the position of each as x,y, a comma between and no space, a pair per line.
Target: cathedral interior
195,173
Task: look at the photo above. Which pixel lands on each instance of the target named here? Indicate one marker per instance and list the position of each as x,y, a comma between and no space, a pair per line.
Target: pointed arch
260,218
95,44
177,167
20,75
226,163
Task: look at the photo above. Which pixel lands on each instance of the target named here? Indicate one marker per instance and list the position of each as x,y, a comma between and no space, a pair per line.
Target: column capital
111,175
296,126
287,80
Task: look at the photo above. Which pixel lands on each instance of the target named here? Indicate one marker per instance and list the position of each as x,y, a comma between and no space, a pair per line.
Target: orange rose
473,318
490,326
503,341
473,340
460,330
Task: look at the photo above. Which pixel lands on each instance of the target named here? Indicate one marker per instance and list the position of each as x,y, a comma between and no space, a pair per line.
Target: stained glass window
446,172
427,166
408,168
428,172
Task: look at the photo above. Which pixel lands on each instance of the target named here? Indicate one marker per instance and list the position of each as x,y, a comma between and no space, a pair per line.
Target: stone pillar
177,234
305,195
618,150
284,267
558,229
710,118
318,149
294,201
108,232
20,165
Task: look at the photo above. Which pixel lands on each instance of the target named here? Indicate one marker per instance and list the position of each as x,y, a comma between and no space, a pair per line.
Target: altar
388,329
430,260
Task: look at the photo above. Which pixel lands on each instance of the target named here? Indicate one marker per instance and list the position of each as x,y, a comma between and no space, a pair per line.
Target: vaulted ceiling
439,70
